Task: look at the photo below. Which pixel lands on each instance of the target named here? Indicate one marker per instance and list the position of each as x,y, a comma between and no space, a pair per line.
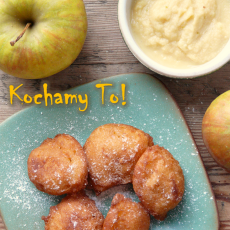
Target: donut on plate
158,181
74,212
112,151
126,214
58,166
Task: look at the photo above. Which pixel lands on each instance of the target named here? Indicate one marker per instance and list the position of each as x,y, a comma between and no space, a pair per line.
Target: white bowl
124,12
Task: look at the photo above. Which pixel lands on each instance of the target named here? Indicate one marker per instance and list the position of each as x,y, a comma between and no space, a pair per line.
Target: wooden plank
106,54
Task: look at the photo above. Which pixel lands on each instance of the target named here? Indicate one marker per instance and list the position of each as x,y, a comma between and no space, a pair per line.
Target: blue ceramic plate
149,106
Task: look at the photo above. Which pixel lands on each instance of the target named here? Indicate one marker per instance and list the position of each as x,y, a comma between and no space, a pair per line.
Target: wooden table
105,54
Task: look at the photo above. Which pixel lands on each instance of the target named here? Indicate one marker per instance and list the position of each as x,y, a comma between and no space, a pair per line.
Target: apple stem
12,43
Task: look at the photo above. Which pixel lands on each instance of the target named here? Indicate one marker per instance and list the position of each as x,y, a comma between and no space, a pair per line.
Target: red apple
216,130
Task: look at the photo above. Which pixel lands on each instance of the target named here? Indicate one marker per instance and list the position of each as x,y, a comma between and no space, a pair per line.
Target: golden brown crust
74,212
58,166
112,151
126,214
158,181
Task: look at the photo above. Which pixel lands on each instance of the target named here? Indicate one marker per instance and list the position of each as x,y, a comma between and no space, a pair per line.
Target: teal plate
149,106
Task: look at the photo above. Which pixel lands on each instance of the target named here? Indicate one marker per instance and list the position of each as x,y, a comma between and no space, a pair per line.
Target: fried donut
158,181
58,166
112,151
126,214
74,212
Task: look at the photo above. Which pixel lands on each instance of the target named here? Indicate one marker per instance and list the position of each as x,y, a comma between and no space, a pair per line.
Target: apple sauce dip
181,33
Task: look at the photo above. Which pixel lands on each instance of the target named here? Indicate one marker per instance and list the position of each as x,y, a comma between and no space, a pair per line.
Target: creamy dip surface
181,33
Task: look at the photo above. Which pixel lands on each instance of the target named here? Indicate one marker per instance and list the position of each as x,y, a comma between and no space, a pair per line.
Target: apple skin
52,43
216,130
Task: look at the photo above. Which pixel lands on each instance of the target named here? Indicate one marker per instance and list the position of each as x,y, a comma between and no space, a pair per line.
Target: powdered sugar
149,107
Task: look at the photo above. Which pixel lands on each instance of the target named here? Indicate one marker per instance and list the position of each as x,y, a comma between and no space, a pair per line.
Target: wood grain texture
105,54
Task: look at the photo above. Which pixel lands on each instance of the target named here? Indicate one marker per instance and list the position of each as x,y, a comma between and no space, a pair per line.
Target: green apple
52,42
216,130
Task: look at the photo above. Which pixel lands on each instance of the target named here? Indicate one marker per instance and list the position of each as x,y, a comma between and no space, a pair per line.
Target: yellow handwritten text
50,99
113,98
